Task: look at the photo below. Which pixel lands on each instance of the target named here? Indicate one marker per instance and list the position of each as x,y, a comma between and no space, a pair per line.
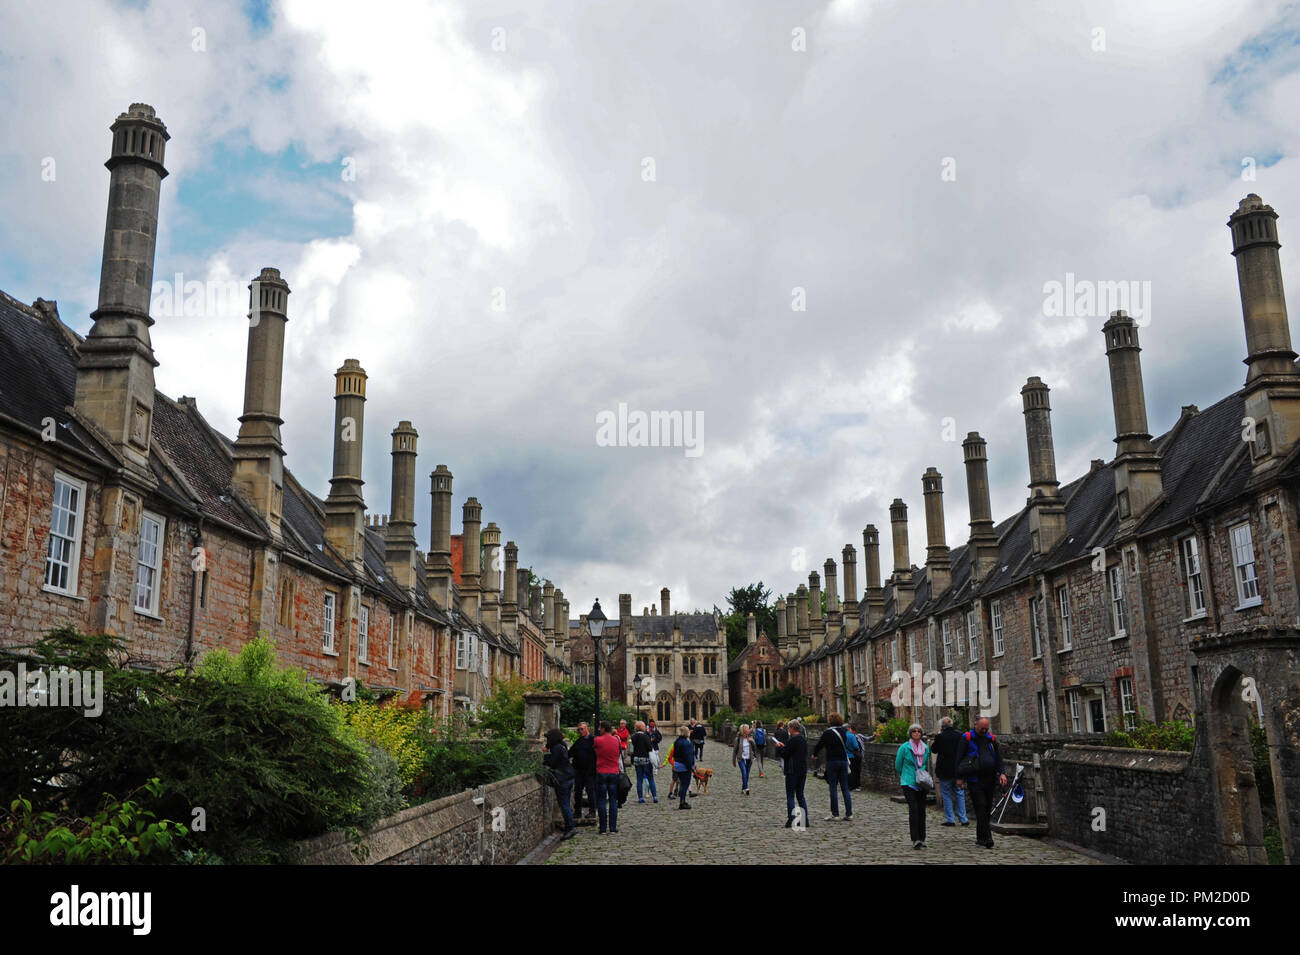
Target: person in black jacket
583,756
780,735
656,738
835,744
795,754
642,745
945,748
698,735
982,786
683,757
557,761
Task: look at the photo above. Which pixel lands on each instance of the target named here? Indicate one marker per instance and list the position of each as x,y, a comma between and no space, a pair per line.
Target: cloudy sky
825,227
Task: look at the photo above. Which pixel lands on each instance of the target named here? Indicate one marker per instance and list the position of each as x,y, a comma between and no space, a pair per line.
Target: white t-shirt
744,748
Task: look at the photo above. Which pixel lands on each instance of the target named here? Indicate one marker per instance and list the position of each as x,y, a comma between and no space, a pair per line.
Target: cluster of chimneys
115,395
664,608
1272,405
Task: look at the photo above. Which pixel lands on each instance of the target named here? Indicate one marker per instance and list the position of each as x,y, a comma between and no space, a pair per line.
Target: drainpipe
1203,525
197,541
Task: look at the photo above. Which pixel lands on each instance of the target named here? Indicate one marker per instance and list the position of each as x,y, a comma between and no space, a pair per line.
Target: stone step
1035,830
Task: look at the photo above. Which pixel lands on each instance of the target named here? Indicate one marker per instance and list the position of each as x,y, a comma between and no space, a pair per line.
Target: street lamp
596,624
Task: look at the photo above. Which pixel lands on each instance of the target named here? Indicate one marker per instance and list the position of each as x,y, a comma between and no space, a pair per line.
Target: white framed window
1191,559
1044,724
959,638
1243,559
363,636
1063,614
1076,710
462,649
392,642
946,626
327,622
1118,609
1035,629
63,555
995,614
972,632
839,670
1127,708
148,563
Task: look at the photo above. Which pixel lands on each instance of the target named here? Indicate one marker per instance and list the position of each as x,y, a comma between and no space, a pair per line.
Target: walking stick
1006,796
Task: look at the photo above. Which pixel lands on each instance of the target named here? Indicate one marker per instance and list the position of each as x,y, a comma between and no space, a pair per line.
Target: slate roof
696,627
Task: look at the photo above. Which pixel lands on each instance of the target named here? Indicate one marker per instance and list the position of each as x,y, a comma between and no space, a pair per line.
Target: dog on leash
702,777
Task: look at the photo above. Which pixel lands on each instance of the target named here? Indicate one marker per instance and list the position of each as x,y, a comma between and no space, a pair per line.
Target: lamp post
596,624
636,687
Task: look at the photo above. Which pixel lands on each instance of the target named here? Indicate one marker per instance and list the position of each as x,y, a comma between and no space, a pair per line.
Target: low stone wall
1157,805
452,830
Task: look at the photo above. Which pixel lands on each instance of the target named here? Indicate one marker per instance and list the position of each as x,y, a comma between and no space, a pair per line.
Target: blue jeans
647,773
952,794
794,781
607,800
564,793
683,784
837,774
744,772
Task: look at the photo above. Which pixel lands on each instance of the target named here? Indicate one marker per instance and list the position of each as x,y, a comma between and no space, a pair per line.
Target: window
1243,558
1126,707
1035,631
1076,710
1118,612
392,642
1043,724
1063,611
1191,557
710,705
947,642
363,636
688,666
995,612
663,666
643,665
912,658
972,628
148,563
710,666
64,553
284,614
690,708
663,708
959,638
893,654
327,637
764,678
838,664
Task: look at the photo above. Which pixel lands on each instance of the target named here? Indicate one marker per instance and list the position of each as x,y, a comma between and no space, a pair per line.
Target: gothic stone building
1080,612
124,511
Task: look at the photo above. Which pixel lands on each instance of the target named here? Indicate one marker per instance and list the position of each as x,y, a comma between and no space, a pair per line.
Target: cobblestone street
726,827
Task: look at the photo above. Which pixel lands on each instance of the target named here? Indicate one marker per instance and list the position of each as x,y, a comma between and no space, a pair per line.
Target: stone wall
451,831
1156,804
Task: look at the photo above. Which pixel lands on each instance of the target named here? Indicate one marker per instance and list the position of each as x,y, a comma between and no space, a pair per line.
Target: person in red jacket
609,766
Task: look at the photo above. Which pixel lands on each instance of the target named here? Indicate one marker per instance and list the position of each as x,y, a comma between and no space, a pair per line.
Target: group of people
594,767
963,763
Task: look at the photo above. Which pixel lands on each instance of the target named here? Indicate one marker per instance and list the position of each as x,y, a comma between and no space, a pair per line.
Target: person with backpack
742,755
835,743
912,762
760,744
979,772
855,758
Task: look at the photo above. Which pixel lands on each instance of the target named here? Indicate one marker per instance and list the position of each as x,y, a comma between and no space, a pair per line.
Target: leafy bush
396,729
787,697
1263,764
893,731
384,788
1172,735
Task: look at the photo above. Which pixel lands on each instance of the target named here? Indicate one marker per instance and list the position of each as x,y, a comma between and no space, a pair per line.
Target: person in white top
742,754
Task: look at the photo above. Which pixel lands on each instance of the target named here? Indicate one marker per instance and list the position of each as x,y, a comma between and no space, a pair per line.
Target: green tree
743,601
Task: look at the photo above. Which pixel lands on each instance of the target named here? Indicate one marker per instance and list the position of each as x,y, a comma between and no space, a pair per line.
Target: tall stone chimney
983,539
1046,508
491,577
874,594
258,453
751,629
510,596
624,605
938,559
471,582
904,585
399,532
663,601
850,557
781,629
815,622
834,617
805,632
437,564
1137,466
561,622
548,609
792,619
115,363
345,508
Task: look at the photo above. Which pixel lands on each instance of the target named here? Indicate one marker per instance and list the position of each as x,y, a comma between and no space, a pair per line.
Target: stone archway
1233,674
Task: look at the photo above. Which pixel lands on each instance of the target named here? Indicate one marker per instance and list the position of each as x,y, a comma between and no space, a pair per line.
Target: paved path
726,827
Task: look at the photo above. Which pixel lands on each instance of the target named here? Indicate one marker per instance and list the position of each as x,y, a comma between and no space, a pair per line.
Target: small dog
702,777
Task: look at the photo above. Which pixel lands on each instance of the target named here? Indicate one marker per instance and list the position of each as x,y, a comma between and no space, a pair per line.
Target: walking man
983,745
583,756
946,748
794,752
698,735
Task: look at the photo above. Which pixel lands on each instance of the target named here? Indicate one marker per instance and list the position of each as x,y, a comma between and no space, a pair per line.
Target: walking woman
644,762
913,758
742,755
557,761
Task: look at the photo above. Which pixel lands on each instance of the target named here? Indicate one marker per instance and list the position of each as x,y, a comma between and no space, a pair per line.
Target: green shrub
1263,764
396,729
787,697
384,794
1172,735
893,731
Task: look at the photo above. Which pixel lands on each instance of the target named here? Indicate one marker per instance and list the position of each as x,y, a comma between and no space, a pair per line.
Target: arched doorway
1227,734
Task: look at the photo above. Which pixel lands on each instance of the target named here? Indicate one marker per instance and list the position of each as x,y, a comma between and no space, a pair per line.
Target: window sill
1252,602
146,613
1039,657
1197,618
998,656
329,653
392,668
1065,649
364,663
61,593
1119,636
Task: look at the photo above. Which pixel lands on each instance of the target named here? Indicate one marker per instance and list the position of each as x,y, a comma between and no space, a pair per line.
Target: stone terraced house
1080,613
124,511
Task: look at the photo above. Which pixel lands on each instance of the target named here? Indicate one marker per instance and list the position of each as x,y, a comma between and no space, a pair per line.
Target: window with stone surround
1243,560
972,630
1035,628
1118,608
663,708
1190,552
710,666
363,636
1127,707
148,563
663,666
1063,617
1044,724
689,666
64,552
1076,710
327,625
947,641
893,654
995,613
912,658
284,614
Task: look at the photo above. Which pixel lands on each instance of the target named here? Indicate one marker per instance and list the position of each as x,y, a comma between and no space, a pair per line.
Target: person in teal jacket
913,755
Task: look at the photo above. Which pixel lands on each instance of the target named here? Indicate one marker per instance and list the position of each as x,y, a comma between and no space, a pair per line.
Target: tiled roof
696,627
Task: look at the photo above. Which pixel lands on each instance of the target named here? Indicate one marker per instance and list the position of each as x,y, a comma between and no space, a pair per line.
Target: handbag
969,765
624,787
924,781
